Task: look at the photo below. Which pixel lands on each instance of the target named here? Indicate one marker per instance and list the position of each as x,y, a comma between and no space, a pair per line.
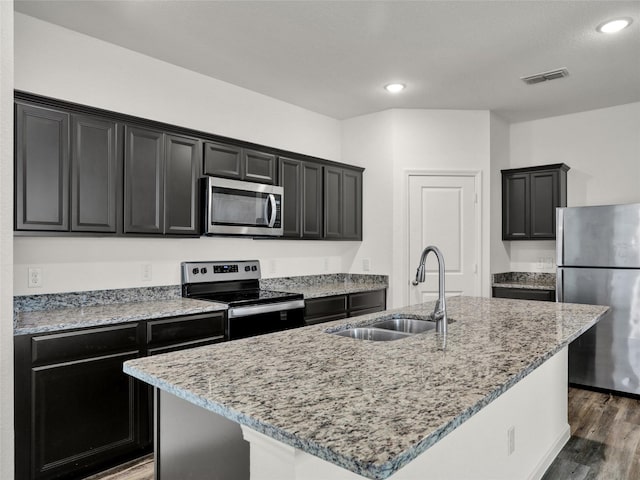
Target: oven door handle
236,312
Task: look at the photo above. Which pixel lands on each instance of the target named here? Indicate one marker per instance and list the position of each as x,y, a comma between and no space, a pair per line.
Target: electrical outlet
146,272
272,266
366,264
511,440
35,277
326,264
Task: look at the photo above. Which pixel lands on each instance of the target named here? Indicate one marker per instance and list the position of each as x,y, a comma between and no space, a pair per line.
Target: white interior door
443,212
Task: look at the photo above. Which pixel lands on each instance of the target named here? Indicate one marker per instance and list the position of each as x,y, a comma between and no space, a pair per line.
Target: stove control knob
254,268
203,270
195,271
247,268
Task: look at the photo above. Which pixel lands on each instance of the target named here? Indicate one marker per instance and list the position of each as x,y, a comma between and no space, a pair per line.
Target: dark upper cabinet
342,203
302,212
161,174
181,199
351,204
94,174
530,197
143,180
41,169
229,161
333,202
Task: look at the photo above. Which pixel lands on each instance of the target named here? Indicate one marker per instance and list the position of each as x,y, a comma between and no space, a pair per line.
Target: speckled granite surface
314,286
533,280
51,320
28,303
371,407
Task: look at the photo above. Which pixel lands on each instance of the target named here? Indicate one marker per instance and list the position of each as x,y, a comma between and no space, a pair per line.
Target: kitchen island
489,398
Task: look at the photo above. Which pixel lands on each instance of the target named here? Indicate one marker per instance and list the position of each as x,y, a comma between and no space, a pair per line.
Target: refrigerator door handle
559,236
559,289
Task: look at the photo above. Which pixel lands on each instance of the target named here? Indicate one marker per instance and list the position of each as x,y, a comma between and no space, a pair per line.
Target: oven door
248,321
243,208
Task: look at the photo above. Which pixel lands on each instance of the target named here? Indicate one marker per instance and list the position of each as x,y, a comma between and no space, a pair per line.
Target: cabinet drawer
185,329
84,344
319,307
525,294
325,318
367,300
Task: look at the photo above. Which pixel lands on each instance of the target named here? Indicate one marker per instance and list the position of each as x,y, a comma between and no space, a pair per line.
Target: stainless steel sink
374,334
406,325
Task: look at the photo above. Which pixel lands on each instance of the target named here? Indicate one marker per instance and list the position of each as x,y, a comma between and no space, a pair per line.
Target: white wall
6,239
500,251
395,141
56,62
602,147
367,141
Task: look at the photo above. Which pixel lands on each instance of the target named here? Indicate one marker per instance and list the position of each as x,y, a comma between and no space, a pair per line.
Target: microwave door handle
272,203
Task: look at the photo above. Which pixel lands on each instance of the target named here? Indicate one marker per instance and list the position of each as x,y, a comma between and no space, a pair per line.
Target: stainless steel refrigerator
598,250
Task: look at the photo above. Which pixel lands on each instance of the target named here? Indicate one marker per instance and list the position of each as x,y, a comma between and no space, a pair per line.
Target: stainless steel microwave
233,207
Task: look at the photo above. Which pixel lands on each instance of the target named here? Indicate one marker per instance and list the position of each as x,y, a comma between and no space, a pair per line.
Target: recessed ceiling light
615,25
394,87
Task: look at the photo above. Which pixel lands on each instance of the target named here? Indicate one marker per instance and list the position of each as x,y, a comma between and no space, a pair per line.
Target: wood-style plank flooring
604,444
605,439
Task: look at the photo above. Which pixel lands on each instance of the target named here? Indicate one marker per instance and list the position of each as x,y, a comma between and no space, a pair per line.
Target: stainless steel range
252,311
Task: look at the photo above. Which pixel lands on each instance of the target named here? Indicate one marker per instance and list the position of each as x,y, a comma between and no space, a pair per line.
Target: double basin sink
390,329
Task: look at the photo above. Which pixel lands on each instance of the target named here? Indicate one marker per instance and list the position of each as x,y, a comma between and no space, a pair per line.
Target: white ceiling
333,57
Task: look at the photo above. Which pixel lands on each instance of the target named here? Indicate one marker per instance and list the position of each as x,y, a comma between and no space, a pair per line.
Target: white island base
515,437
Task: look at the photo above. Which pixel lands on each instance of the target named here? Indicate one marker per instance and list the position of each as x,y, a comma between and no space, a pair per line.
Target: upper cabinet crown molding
530,197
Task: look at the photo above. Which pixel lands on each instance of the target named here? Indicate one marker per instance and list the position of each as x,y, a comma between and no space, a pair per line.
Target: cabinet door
84,413
182,170
41,169
259,167
312,206
333,191
143,181
94,174
290,179
325,309
515,206
222,160
352,205
544,200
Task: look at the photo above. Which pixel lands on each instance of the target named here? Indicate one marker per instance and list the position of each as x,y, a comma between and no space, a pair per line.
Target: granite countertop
330,395
50,320
529,280
315,286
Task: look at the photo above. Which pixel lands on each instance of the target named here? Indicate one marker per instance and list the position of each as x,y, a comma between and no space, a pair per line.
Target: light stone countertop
371,407
528,280
51,320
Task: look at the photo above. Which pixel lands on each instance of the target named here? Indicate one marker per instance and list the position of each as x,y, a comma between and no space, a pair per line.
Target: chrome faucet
439,314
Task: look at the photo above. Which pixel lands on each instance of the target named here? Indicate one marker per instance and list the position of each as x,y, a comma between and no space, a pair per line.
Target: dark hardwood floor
605,439
604,444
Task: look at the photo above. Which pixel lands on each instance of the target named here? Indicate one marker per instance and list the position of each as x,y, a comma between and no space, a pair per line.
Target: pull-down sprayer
439,314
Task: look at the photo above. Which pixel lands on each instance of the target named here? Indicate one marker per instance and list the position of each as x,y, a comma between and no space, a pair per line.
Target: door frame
406,270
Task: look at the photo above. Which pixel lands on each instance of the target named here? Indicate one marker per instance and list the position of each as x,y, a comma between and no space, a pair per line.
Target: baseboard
551,454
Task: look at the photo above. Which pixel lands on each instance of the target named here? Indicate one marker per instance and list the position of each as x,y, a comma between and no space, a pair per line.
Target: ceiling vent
545,76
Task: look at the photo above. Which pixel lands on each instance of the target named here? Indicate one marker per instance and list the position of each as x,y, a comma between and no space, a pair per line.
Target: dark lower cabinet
525,294
336,307
76,411
41,168
302,183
